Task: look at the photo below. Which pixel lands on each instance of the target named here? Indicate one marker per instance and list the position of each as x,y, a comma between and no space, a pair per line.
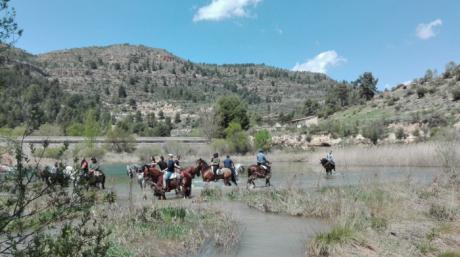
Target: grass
450,254
166,227
326,244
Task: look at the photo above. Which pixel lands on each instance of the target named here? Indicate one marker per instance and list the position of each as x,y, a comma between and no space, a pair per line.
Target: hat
170,155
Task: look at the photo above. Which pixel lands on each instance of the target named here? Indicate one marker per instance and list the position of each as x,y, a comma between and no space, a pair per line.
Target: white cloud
223,9
321,63
426,31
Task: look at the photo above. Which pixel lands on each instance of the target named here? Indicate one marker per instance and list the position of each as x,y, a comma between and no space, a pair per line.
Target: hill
119,73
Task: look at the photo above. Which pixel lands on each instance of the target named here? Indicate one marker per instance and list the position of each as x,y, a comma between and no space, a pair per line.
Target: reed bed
167,229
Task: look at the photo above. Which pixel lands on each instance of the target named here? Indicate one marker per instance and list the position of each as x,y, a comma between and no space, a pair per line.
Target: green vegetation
231,109
263,140
236,138
120,140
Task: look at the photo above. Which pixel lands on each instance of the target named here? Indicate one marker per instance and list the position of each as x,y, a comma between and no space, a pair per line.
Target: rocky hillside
119,73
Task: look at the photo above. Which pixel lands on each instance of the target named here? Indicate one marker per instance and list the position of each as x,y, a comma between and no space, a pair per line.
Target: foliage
31,209
237,139
145,152
263,140
400,134
120,140
374,132
421,91
367,85
310,107
231,109
49,130
456,94
9,29
51,152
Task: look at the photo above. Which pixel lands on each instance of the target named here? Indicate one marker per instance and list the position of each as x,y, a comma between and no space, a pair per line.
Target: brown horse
184,183
255,172
208,174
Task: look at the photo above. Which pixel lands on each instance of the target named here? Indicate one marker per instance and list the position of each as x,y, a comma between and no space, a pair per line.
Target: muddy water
270,235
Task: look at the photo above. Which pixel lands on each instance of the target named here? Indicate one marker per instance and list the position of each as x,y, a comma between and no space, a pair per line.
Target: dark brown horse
208,174
255,172
328,166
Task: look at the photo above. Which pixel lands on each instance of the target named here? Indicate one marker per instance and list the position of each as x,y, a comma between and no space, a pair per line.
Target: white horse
239,169
135,170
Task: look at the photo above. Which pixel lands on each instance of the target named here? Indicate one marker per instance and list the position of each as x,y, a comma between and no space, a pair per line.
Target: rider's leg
214,170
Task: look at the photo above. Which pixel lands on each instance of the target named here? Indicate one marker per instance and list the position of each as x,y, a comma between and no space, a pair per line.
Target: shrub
456,94
374,132
421,91
263,140
145,152
440,212
49,130
120,140
324,243
400,134
220,146
237,139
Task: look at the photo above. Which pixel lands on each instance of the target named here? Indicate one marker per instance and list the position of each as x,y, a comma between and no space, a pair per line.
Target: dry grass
373,219
170,229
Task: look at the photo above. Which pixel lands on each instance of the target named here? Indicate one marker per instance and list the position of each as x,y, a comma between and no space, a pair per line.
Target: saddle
220,171
97,173
175,175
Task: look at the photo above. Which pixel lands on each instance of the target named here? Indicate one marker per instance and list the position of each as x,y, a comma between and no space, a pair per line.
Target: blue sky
396,40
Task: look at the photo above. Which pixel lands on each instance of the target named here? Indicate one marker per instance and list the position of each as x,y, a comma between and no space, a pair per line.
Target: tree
177,118
310,107
161,115
122,92
231,109
263,140
9,29
367,85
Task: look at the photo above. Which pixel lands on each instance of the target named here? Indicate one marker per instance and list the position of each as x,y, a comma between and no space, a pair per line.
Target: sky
396,40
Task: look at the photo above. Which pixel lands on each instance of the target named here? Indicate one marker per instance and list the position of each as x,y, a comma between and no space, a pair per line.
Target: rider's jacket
228,163
94,166
261,159
215,162
170,166
163,165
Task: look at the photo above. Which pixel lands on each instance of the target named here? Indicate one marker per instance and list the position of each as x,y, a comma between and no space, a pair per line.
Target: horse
181,181
239,169
255,172
53,176
134,170
208,174
95,179
328,166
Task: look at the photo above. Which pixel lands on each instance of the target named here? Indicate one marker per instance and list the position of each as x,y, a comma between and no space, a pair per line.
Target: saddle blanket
175,175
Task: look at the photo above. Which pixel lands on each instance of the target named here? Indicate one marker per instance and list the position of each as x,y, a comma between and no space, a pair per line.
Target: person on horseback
215,163
169,171
228,163
262,161
330,158
162,164
153,163
93,166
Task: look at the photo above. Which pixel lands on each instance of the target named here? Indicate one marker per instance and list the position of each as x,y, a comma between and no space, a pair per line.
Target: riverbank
373,219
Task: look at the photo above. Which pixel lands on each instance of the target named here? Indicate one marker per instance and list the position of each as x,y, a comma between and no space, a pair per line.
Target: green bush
374,132
49,130
263,140
237,139
50,152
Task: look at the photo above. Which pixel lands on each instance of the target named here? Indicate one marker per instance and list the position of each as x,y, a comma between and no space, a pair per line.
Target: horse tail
103,181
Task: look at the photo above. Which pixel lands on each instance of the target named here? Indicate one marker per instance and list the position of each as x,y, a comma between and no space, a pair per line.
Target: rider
153,163
215,162
169,171
93,166
262,161
228,163
330,158
162,164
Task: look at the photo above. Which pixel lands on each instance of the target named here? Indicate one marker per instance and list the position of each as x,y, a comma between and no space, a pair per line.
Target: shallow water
306,176
271,235
267,235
